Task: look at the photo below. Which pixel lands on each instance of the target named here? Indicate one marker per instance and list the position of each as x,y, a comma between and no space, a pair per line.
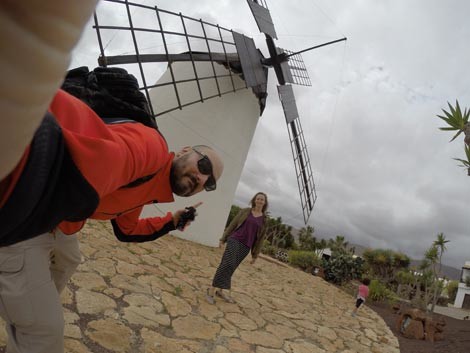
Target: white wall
225,123
465,274
461,295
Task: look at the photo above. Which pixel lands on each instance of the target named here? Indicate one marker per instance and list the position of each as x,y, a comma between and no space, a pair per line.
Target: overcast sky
384,173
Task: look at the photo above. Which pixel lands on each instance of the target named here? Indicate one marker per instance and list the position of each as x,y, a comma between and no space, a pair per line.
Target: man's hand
183,218
253,260
221,244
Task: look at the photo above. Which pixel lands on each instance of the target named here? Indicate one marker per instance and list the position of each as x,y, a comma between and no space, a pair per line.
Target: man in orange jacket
59,168
77,167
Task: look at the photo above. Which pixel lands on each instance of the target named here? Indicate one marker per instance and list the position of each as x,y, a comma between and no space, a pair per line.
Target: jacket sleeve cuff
137,238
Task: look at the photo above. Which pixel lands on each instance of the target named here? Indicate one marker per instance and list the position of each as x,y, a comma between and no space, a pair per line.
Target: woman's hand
221,244
253,260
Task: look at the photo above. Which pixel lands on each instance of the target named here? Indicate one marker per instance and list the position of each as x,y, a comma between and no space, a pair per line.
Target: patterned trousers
234,254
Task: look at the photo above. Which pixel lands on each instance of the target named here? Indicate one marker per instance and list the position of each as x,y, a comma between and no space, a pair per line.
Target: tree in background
422,297
320,247
278,234
406,281
306,239
233,212
287,241
338,246
458,122
440,246
385,263
452,288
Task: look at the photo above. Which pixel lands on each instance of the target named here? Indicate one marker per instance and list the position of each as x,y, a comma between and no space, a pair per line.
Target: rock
430,330
415,314
318,271
412,329
396,308
433,329
110,334
192,326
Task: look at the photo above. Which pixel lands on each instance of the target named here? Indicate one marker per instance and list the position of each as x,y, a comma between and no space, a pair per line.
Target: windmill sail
260,12
289,68
303,170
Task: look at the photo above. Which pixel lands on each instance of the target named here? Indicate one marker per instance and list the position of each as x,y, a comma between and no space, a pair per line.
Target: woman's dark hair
265,206
366,281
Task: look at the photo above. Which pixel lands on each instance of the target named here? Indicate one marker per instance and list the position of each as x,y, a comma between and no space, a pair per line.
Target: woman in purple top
244,233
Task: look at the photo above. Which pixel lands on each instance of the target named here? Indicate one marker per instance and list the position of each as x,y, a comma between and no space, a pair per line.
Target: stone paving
149,298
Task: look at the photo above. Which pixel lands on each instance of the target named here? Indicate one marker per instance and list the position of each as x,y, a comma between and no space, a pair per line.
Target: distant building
462,300
326,253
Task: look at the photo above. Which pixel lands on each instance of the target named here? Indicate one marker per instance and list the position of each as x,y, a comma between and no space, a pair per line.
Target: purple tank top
247,232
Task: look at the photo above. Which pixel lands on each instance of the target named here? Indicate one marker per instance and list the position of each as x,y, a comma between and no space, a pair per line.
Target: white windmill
207,84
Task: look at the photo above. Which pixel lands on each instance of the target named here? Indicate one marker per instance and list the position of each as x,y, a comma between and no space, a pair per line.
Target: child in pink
362,294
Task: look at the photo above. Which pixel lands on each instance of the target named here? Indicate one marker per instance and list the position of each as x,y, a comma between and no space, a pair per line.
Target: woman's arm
233,224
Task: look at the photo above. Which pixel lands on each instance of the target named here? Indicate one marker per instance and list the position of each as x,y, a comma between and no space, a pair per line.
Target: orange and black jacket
77,167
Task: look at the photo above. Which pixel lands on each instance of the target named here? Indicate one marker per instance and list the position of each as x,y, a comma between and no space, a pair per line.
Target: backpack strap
138,182
112,121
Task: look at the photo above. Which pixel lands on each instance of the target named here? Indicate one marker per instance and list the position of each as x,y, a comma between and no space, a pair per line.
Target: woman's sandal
225,297
209,298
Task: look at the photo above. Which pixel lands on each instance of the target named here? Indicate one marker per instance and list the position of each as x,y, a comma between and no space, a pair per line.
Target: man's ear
183,151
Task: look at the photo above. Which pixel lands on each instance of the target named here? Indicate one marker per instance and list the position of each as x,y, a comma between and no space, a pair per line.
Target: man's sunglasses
205,167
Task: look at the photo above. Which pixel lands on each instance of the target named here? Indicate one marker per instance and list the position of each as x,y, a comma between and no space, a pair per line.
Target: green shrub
442,301
268,249
452,288
379,292
303,259
342,268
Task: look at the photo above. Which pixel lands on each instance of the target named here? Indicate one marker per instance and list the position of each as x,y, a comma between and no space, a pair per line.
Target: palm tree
320,247
458,122
440,245
426,277
306,239
455,119
338,245
465,163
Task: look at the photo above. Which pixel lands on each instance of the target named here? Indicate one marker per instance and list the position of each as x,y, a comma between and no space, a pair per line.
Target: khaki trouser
32,275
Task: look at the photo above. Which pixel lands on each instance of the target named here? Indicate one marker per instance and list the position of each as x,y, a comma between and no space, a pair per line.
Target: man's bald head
194,169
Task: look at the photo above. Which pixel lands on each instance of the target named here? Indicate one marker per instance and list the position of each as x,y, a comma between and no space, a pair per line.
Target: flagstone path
149,298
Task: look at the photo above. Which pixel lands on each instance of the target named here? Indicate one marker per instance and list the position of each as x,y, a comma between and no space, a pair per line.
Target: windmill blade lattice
303,169
174,38
295,71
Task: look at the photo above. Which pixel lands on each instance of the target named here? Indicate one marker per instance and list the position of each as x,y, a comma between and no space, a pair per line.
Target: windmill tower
207,84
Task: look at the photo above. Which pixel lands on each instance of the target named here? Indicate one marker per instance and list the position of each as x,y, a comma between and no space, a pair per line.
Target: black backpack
114,95
111,92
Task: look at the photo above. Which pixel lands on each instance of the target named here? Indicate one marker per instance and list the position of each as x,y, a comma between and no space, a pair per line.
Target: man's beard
177,186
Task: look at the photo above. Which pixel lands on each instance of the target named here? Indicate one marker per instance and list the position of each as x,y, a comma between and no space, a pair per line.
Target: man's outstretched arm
37,39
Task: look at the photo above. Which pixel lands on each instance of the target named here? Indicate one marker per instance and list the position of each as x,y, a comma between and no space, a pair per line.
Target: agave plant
455,119
465,163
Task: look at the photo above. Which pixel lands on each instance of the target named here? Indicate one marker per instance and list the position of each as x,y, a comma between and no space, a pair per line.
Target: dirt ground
456,334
